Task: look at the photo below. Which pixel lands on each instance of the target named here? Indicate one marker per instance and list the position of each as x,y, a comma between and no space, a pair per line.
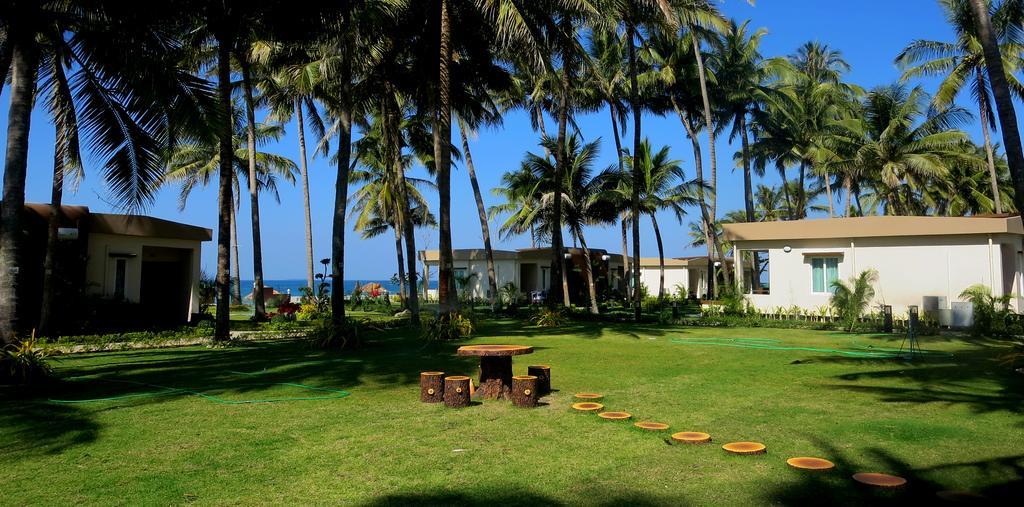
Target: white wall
100,266
909,268
650,276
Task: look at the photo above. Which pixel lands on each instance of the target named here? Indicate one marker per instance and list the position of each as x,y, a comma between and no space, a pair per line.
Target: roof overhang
871,227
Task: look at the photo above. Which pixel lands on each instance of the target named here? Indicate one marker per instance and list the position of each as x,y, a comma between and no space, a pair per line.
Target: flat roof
872,227
124,225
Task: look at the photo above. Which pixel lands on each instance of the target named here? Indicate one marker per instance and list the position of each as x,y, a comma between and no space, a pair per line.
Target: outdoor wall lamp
605,257
787,249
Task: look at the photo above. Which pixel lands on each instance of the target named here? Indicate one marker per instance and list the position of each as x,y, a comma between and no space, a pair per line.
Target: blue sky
869,33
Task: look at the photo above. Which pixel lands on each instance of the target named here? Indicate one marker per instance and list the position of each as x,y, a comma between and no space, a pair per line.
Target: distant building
923,261
529,270
131,258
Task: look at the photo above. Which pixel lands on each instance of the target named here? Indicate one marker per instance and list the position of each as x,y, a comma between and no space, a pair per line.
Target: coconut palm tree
1001,92
961,64
662,187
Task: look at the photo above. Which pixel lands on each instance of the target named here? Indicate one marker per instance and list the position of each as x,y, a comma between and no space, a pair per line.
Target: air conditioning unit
963,314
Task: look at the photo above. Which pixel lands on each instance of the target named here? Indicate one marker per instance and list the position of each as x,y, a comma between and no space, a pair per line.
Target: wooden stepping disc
615,416
880,480
691,437
745,448
588,396
587,406
810,463
651,426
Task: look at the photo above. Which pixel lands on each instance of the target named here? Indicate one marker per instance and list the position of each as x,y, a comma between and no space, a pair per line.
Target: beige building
923,261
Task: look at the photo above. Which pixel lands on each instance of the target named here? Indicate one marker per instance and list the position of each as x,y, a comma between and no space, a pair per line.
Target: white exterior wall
909,268
100,266
650,276
505,271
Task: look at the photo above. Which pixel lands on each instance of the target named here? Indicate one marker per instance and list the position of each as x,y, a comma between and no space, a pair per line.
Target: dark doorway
165,288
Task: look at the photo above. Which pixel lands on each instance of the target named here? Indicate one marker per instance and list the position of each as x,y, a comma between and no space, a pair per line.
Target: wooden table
495,368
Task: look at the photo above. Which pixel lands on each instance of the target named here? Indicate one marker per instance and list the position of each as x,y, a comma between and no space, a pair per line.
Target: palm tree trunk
401,266
407,223
557,259
1004,102
447,295
748,186
712,209
260,310
342,175
46,313
698,164
993,178
301,129
224,197
626,266
485,230
618,159
848,190
588,272
661,259
637,181
236,271
828,194
801,200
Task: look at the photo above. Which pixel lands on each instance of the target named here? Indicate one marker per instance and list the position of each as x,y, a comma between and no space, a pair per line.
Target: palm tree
662,187
850,299
125,116
961,64
902,146
1001,92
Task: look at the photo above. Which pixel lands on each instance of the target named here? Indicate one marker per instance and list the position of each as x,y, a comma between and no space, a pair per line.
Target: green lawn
948,422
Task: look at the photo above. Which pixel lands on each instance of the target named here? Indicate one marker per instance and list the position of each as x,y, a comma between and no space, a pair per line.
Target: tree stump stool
543,374
524,391
432,386
456,391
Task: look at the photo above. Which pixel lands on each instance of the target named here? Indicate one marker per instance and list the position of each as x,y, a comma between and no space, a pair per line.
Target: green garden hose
773,344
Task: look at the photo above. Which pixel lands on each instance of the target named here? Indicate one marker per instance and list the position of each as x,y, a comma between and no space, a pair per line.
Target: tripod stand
910,342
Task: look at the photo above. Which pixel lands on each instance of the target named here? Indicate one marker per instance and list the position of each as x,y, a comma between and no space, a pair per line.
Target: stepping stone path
879,480
614,416
651,426
588,396
691,437
745,448
587,406
810,463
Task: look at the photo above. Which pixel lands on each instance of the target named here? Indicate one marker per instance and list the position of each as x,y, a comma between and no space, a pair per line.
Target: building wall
674,275
505,271
909,268
100,268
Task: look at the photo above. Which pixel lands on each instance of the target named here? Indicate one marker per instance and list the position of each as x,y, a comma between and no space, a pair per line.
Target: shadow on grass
514,496
836,487
972,377
33,426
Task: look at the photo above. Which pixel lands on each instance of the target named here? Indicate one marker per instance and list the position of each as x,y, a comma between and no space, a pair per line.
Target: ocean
294,285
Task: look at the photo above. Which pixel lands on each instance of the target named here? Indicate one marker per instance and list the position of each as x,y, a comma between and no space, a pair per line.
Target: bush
288,309
455,326
548,317
992,314
850,299
24,363
325,336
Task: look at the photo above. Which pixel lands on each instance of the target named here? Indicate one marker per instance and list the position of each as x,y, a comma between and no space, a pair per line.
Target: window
824,271
120,268
460,273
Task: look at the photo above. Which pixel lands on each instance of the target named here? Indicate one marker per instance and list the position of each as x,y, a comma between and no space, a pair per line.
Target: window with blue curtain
824,271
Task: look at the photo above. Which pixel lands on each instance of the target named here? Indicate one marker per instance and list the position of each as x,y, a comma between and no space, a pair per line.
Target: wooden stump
543,374
524,391
432,386
495,377
456,391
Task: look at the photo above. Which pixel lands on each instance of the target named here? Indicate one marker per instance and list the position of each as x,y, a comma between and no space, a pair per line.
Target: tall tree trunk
407,223
401,266
702,78
485,230
984,115
801,199
748,192
698,164
342,175
448,297
637,179
1004,102
260,309
46,313
626,265
300,124
557,258
661,258
828,194
847,189
236,270
622,216
786,193
588,272
224,195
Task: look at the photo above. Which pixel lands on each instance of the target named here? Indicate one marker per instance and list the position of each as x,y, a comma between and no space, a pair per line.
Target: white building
923,261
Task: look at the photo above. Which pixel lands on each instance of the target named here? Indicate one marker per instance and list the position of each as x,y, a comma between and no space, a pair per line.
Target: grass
949,422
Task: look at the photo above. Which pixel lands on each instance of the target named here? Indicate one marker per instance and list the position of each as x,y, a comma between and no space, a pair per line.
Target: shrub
850,299
454,326
991,313
24,363
325,336
548,317
288,309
